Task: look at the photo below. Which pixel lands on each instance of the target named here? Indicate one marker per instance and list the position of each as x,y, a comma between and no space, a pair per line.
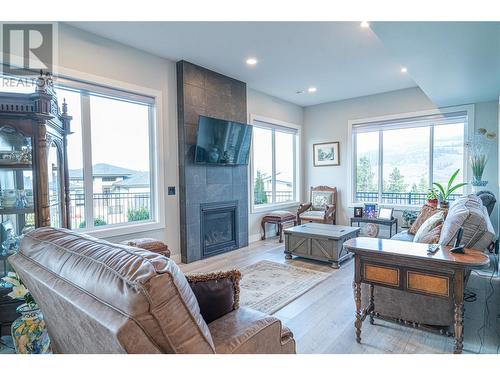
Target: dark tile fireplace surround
213,199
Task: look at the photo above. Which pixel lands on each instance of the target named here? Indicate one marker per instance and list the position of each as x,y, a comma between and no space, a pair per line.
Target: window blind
411,122
266,125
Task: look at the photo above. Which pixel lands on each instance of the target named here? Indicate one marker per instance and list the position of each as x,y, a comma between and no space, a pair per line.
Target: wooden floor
322,319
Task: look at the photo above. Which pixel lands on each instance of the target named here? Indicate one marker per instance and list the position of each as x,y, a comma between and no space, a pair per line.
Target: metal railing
410,198
281,196
111,208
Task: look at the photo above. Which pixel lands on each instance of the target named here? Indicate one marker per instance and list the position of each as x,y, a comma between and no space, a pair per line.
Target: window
274,164
396,161
110,156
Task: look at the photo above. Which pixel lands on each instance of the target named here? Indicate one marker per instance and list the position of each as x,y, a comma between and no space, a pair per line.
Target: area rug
269,286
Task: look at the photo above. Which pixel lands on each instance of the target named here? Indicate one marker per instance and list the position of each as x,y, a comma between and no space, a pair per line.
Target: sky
119,131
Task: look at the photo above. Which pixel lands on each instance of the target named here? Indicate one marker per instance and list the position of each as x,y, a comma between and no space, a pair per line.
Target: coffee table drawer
381,274
428,283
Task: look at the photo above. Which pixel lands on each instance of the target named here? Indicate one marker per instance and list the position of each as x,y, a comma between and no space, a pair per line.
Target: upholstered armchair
322,207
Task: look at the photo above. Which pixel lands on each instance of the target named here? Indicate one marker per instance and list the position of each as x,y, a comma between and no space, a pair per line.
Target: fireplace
219,227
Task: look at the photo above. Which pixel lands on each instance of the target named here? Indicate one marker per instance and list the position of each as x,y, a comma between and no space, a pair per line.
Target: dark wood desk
407,266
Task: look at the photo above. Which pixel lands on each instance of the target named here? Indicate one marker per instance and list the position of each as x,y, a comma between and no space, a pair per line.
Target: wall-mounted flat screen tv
222,142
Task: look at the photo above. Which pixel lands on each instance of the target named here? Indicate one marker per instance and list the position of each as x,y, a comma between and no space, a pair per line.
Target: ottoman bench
279,218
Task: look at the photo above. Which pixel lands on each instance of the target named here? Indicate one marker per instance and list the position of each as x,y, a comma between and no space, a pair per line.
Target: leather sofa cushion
131,299
245,331
218,293
469,213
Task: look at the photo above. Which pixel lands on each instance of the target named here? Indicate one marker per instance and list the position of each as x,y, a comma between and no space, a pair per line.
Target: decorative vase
444,205
478,183
213,155
29,332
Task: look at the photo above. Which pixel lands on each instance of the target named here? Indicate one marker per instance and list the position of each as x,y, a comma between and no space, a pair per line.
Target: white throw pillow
429,225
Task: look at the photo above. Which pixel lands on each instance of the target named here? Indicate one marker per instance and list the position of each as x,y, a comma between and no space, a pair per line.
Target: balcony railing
281,196
111,208
410,199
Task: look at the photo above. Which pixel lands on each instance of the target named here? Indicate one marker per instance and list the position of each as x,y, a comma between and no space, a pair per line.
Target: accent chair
322,208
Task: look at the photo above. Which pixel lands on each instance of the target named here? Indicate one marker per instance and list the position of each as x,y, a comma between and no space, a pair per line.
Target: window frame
468,131
78,81
297,191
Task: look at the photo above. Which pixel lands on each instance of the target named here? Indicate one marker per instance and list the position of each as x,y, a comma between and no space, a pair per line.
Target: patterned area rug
268,286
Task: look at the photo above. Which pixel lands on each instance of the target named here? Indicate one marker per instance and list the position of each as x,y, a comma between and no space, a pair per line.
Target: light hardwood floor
322,319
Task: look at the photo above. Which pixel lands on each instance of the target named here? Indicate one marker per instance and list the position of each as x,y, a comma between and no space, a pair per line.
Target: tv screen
222,142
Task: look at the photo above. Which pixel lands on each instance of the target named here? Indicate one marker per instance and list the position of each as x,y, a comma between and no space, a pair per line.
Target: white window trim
252,119
469,131
157,164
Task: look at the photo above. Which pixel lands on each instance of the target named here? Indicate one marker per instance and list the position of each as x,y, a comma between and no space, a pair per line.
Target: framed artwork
370,210
385,213
358,211
325,154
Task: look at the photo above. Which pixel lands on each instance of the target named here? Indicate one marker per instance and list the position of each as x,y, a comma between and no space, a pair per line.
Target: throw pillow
425,213
433,236
428,225
217,293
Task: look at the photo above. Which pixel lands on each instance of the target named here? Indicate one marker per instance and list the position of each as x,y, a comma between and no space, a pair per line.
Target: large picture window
396,161
274,164
110,157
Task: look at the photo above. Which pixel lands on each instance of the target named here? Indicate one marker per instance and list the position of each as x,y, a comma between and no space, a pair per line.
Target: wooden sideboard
409,267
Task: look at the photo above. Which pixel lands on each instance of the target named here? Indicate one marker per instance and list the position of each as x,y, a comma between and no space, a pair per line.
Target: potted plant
479,147
432,198
450,188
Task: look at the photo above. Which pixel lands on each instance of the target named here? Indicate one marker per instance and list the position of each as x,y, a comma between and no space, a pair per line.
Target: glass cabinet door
16,188
54,181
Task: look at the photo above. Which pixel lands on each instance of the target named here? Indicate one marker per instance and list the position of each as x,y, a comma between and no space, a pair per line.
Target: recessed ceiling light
364,24
404,69
251,61
312,89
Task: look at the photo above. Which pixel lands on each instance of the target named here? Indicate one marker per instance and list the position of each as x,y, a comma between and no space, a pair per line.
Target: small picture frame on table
358,211
370,210
385,213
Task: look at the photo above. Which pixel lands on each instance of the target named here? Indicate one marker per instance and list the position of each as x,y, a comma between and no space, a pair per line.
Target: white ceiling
452,62
341,59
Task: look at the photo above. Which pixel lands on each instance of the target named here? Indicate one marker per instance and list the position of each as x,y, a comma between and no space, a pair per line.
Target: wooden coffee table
316,241
408,267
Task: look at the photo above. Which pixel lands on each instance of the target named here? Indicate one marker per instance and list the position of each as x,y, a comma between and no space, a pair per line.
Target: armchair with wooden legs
321,209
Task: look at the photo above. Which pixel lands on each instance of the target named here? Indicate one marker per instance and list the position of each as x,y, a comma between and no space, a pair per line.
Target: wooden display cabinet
34,181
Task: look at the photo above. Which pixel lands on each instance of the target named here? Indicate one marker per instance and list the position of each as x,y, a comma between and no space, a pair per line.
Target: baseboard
254,237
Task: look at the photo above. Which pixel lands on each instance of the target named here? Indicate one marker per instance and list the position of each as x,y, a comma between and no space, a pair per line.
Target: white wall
486,116
86,53
268,106
329,122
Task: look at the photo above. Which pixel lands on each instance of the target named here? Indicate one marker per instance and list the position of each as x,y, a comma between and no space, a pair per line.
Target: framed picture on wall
326,154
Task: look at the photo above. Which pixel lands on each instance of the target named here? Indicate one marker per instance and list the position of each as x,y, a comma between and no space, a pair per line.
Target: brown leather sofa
99,297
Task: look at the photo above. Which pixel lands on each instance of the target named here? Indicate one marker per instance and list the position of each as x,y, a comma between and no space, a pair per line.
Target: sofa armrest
247,331
218,293
149,244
